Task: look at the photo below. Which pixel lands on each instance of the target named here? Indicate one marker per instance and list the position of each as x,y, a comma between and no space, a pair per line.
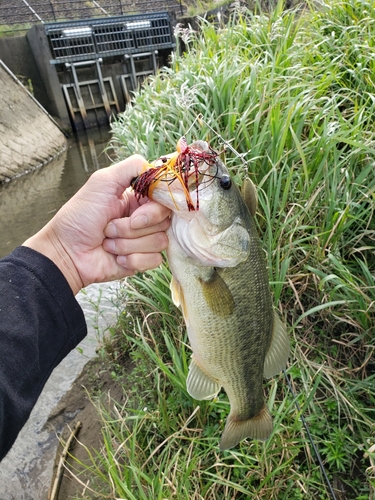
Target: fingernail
121,259
109,245
139,221
111,230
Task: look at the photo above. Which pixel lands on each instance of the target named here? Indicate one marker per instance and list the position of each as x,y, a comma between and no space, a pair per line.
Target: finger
122,173
149,214
140,262
121,228
155,242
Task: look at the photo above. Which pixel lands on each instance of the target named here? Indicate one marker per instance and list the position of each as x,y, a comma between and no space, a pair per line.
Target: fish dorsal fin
249,194
199,385
217,294
278,351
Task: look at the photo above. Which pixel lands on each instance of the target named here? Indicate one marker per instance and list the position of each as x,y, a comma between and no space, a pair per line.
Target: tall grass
293,93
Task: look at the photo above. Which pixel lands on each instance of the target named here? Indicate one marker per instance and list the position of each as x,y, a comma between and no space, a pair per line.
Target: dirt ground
95,379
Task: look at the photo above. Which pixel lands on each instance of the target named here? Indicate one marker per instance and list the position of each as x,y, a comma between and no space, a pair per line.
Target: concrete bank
29,138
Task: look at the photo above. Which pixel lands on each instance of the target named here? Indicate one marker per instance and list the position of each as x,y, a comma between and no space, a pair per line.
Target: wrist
48,244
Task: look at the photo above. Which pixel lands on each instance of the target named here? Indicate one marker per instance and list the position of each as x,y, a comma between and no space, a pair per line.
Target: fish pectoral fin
249,195
175,291
199,385
258,427
178,298
278,351
217,294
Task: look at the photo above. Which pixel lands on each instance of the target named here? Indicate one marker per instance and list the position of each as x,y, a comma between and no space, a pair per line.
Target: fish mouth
179,175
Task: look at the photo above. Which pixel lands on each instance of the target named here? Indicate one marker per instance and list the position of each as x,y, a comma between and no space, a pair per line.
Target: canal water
26,204
30,201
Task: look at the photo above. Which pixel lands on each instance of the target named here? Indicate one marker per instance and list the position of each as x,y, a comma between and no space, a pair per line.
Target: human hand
103,232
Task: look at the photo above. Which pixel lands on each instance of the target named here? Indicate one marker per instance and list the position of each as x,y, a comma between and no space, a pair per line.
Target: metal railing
20,15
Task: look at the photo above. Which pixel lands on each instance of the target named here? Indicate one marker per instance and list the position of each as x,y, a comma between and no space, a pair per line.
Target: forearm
40,323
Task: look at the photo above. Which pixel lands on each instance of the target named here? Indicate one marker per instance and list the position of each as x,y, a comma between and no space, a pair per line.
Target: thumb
123,172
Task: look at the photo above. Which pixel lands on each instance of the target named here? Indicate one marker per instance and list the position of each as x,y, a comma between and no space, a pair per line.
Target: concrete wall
28,136
16,53
35,72
55,103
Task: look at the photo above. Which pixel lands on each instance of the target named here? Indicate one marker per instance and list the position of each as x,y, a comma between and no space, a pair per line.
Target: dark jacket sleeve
40,323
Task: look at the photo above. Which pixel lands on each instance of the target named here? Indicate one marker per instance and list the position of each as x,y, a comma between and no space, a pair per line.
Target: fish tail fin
258,427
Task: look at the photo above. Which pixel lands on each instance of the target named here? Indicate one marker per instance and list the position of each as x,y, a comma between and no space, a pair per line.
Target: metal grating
80,40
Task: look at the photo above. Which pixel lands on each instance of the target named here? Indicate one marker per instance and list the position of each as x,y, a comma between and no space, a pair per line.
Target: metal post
122,12
154,63
134,74
33,11
101,8
107,107
53,10
77,91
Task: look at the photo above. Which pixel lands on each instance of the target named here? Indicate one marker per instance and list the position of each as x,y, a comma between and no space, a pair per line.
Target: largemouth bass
220,280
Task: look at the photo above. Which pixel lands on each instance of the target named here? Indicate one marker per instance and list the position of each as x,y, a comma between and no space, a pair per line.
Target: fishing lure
181,165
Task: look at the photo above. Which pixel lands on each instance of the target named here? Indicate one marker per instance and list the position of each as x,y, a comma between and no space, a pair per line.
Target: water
26,204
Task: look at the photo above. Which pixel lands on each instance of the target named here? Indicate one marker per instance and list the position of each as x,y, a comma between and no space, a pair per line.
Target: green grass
293,92
14,29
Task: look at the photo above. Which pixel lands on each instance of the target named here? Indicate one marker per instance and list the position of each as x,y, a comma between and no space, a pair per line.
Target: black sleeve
40,323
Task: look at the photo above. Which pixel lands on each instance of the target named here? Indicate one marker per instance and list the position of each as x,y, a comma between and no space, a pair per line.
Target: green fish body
220,281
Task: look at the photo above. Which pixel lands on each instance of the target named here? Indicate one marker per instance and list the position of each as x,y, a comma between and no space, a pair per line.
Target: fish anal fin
278,351
199,385
258,427
250,196
218,296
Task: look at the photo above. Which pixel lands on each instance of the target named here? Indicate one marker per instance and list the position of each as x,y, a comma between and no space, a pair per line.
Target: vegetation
293,93
14,30
200,7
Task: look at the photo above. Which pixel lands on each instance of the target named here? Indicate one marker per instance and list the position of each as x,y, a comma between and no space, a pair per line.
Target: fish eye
225,182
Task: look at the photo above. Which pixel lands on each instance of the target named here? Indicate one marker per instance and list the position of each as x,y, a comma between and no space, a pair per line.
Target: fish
220,281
